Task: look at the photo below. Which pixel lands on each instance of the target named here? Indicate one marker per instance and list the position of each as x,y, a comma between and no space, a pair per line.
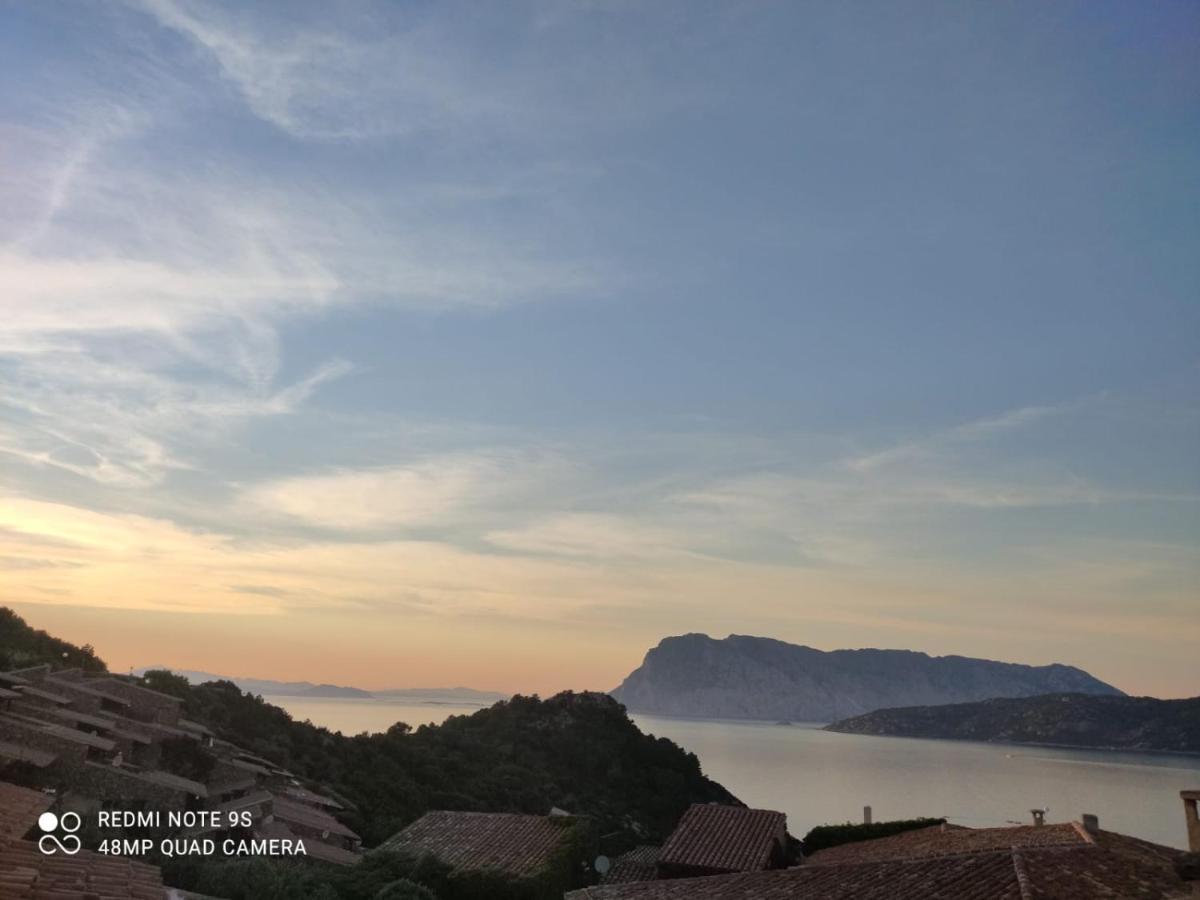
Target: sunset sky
418,344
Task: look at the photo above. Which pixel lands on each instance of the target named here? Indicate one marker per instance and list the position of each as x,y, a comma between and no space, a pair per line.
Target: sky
427,344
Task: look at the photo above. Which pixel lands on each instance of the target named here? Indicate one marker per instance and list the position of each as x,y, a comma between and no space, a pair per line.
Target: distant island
760,678
1074,720
270,688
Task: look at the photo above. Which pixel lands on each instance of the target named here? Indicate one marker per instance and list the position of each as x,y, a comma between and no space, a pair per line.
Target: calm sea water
817,777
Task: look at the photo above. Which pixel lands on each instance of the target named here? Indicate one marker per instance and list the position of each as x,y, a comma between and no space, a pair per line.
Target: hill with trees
577,751
22,646
1072,720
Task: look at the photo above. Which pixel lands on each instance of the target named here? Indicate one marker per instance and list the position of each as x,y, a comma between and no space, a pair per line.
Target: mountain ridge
747,677
271,687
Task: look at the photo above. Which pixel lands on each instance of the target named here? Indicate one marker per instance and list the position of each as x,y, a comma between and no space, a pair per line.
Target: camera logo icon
50,843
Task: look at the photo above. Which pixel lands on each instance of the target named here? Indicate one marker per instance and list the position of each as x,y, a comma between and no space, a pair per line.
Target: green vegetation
825,836
22,646
577,751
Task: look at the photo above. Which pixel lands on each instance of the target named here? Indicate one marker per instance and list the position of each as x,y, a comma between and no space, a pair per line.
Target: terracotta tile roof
639,864
983,877
934,841
19,809
84,875
506,842
723,838
1111,867
27,873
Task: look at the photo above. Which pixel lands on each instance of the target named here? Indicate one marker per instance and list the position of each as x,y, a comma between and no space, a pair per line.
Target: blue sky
531,333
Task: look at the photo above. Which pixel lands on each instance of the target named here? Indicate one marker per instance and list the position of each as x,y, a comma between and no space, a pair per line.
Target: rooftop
315,849
44,695
951,840
306,796
299,814
155,777
639,864
471,841
19,809
723,838
26,873
1109,866
60,731
75,687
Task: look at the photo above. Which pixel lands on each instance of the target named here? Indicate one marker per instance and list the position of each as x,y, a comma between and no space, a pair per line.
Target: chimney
1039,816
867,813
1090,822
1192,817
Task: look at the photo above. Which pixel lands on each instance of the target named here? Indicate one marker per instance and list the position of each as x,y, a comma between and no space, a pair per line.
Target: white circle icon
47,821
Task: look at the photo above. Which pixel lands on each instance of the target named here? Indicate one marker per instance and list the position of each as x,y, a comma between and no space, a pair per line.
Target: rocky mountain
744,677
1077,720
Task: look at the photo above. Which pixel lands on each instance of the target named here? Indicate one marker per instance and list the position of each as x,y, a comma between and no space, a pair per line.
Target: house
324,837
27,872
713,839
534,851
144,704
1052,862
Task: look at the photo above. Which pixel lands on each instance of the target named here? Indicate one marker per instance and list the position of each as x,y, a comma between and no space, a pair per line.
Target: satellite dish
602,865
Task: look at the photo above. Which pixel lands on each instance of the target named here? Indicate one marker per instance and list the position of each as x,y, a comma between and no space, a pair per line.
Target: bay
818,777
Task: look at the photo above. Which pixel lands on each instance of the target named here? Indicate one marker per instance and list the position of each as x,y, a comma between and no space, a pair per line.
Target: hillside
1077,720
579,752
22,646
761,678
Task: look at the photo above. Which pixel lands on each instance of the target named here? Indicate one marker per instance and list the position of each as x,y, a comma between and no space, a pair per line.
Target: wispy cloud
428,492
592,535
141,303
368,78
946,439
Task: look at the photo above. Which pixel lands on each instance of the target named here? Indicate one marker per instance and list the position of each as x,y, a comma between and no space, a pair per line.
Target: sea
818,777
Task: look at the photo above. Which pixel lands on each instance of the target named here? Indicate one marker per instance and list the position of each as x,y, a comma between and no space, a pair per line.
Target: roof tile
507,842
724,838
